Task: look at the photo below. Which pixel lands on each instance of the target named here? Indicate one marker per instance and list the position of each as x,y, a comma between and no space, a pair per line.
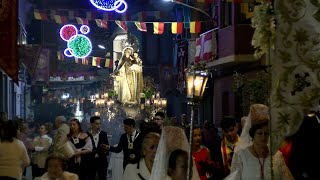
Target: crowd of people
151,150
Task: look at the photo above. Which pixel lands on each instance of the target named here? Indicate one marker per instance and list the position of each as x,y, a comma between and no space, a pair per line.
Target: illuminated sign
120,6
78,45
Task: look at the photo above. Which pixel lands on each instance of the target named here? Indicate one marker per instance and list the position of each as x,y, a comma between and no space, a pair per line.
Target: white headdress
258,113
172,138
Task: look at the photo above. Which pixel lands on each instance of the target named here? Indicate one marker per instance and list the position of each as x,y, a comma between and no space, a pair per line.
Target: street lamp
196,77
191,7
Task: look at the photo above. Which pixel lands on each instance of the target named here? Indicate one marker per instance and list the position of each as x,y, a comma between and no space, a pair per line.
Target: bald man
61,133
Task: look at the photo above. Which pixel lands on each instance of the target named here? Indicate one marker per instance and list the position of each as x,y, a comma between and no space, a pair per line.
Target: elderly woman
252,160
142,169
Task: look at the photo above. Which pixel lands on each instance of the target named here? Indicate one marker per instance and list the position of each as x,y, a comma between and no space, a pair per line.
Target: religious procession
159,90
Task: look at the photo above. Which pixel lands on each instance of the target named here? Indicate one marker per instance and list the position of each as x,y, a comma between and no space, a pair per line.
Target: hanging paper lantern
120,6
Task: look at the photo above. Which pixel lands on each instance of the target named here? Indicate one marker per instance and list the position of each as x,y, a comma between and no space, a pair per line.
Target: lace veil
172,138
257,113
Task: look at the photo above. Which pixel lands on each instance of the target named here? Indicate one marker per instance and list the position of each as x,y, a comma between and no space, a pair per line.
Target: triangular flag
107,15
141,26
158,27
83,21
85,60
122,25
195,27
102,23
90,15
76,60
176,27
108,63
125,17
96,61
60,19
40,15
71,15
210,1
60,56
141,16
235,1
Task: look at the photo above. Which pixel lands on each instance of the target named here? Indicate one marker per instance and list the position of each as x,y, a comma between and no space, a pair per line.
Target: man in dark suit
98,158
130,143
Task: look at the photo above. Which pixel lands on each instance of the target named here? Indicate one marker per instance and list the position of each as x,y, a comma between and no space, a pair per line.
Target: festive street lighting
196,79
191,7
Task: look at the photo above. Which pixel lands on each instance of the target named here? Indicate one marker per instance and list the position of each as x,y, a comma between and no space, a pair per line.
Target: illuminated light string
78,45
110,5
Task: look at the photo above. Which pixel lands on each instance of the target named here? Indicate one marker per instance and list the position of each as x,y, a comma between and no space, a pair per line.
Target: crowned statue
129,76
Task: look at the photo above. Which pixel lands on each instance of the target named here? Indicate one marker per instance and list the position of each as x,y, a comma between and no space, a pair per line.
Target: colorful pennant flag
52,13
122,25
83,21
60,55
85,60
141,16
60,19
141,26
210,1
71,15
90,15
96,61
158,27
125,17
240,1
102,23
40,15
107,15
195,27
109,63
76,60
176,27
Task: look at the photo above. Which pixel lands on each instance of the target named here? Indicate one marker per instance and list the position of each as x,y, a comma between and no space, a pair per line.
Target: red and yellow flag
108,63
60,55
102,23
40,15
96,61
83,21
195,27
176,27
60,19
122,25
158,27
141,26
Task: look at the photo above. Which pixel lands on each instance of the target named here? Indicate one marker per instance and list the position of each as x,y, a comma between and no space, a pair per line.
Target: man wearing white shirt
41,146
130,143
98,157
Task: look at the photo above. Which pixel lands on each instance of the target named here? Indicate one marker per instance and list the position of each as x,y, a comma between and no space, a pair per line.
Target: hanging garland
264,23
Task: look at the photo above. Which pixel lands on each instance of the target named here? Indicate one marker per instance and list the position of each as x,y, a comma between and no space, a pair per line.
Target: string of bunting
102,22
90,60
